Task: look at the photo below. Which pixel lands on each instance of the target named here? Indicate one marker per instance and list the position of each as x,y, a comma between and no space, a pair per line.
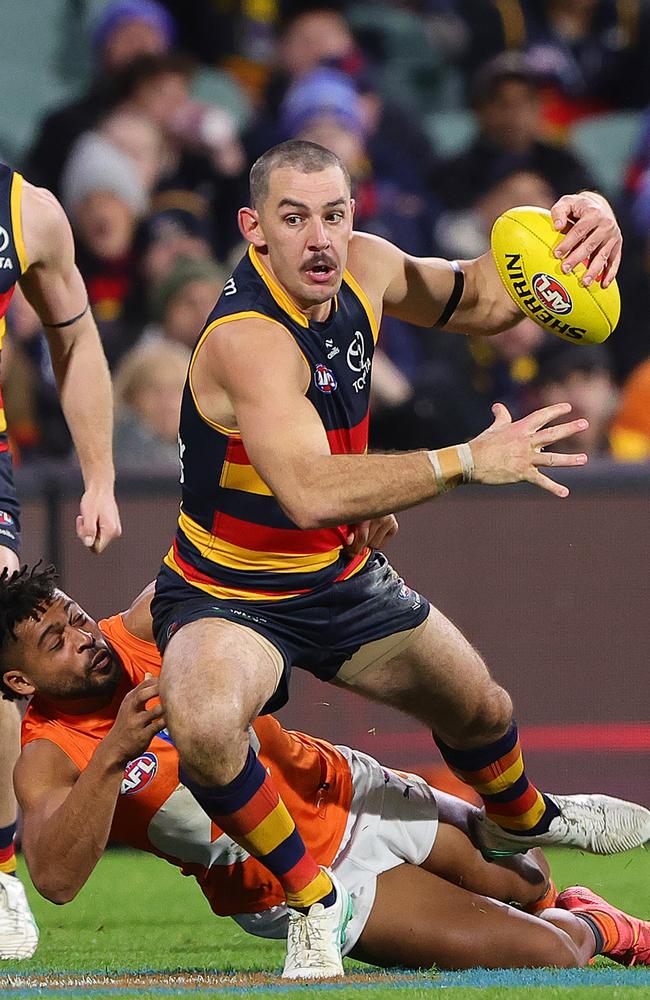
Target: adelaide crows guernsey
233,539
13,260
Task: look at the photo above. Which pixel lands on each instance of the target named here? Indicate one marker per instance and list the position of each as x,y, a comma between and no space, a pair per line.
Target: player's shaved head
307,157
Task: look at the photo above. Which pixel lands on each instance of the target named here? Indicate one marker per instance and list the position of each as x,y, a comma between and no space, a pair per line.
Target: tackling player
97,764
37,251
272,564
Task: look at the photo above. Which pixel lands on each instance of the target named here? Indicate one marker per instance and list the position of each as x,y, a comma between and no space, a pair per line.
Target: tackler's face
305,228
61,654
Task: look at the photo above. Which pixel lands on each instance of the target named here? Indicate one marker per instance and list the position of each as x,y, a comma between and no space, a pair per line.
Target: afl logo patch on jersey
6,518
325,379
138,773
552,294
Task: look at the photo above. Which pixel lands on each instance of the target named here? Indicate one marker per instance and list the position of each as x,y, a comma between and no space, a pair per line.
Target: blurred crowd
446,113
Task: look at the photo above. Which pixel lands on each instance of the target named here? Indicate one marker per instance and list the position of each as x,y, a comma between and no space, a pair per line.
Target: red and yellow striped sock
251,811
7,849
496,772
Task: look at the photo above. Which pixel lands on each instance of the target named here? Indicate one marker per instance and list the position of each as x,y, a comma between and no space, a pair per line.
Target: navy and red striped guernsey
13,260
233,539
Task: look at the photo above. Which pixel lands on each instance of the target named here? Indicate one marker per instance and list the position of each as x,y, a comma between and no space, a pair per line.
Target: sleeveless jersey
233,539
156,814
13,260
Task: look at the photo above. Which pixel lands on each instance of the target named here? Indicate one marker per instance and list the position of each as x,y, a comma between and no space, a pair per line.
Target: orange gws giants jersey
155,813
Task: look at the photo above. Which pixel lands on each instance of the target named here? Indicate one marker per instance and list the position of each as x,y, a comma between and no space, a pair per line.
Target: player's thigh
419,920
216,677
439,678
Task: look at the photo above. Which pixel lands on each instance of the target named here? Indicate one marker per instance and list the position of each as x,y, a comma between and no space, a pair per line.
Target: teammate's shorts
338,629
9,506
393,820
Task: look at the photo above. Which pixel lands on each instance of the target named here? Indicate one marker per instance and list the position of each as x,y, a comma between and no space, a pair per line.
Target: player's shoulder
44,221
372,260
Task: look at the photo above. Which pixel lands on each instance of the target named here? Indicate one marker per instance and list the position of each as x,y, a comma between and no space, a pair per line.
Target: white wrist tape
452,466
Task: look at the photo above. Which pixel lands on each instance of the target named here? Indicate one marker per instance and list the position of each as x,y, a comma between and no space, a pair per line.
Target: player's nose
318,237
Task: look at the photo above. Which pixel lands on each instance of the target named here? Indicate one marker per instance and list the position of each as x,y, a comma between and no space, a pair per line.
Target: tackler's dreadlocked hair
24,594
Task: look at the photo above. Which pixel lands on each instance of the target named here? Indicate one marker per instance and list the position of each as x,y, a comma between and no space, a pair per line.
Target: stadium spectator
321,37
148,386
580,376
139,138
506,99
123,31
203,161
183,300
591,53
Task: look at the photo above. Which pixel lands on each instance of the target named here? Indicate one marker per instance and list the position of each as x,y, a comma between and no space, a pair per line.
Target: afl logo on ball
552,294
325,379
138,773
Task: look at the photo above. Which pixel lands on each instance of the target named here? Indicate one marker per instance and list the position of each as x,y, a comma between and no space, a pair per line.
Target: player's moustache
321,258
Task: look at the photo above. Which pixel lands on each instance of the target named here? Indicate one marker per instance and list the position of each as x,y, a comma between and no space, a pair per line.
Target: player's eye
78,619
293,220
58,644
335,217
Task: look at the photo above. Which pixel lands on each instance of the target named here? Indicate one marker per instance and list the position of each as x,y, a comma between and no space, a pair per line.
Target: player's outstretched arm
264,377
67,814
55,288
419,290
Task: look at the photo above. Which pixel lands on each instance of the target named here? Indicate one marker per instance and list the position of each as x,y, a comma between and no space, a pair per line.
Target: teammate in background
275,559
97,764
38,252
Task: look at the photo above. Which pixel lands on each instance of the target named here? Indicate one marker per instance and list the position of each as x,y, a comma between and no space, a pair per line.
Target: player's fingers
552,459
153,728
597,262
578,233
546,415
501,415
86,528
360,534
549,435
586,251
538,479
613,264
560,212
153,713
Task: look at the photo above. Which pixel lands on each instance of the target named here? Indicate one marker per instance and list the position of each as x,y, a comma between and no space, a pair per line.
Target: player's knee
488,718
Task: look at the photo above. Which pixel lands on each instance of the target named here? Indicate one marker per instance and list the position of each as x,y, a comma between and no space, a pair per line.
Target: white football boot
18,930
315,938
599,824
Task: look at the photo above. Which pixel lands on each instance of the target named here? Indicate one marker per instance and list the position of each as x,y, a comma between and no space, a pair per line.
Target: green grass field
137,914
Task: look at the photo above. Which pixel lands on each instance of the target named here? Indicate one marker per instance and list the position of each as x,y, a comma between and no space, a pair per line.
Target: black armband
456,294
68,322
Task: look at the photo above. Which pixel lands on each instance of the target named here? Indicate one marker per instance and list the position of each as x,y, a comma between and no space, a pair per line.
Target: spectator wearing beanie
123,31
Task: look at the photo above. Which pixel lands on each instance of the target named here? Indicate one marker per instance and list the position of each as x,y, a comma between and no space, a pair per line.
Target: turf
136,913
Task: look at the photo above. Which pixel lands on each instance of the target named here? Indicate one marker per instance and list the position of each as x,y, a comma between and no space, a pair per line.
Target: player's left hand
594,238
98,522
374,534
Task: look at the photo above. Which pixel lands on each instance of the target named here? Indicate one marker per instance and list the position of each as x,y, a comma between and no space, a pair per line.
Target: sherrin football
523,240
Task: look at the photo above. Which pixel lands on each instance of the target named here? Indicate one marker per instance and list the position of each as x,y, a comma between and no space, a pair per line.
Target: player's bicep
265,377
422,290
43,778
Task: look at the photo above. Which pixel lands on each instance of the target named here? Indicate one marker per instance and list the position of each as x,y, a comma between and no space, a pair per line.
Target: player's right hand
511,452
136,725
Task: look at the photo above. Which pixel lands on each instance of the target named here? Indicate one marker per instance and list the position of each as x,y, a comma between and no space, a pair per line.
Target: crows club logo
4,239
552,294
325,379
6,518
138,773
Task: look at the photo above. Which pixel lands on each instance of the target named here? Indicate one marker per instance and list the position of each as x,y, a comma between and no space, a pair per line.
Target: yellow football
523,240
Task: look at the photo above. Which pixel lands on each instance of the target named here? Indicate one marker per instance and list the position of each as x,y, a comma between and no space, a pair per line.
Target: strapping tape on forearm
68,322
456,294
452,466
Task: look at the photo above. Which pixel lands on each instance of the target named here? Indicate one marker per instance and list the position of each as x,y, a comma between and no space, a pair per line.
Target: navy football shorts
9,506
318,631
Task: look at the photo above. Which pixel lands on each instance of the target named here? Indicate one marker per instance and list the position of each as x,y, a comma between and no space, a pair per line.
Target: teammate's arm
264,375
54,287
418,289
67,814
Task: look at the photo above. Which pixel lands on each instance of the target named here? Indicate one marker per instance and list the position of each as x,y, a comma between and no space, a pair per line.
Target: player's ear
16,681
250,226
